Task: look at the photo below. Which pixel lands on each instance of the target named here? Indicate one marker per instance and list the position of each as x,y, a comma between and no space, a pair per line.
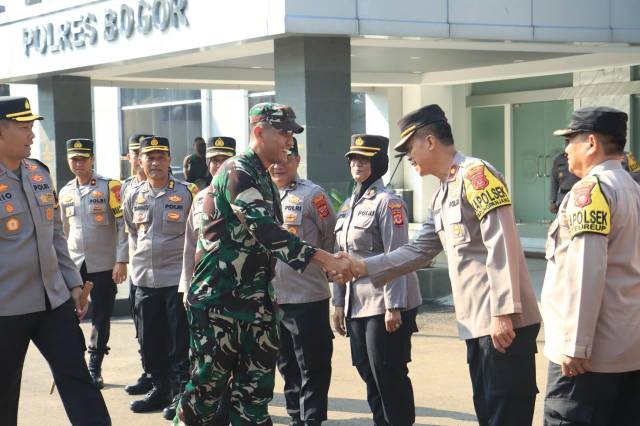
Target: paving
438,372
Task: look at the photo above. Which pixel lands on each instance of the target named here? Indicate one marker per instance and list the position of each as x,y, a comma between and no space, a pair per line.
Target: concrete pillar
65,103
229,116
313,75
108,132
4,90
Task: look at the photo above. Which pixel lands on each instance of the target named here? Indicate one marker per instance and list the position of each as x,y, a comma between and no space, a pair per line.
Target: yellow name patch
484,190
588,209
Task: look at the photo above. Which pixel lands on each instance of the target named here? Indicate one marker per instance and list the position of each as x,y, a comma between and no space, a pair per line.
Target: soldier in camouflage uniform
229,304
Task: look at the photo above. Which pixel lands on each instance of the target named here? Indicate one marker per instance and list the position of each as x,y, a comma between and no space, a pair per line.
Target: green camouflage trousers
223,347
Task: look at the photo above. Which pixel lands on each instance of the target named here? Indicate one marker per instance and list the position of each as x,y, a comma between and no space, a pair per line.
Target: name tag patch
589,210
484,191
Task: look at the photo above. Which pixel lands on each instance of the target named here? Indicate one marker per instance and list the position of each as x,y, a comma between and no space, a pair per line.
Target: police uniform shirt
191,240
308,214
35,256
156,221
93,222
130,182
472,219
591,291
375,224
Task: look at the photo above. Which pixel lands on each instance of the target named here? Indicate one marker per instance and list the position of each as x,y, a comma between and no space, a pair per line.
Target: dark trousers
134,316
504,385
163,333
304,359
381,358
592,399
103,296
58,336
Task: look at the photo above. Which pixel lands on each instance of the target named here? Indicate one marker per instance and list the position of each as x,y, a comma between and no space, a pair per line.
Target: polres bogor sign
83,31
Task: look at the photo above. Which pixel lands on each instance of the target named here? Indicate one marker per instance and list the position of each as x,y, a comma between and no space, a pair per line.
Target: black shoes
141,387
95,369
156,399
170,411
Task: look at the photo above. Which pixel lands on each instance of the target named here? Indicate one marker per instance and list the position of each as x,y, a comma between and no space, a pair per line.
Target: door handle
538,174
547,171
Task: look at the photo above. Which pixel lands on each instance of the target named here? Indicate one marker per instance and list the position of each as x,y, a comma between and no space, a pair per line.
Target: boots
156,399
142,386
95,369
170,410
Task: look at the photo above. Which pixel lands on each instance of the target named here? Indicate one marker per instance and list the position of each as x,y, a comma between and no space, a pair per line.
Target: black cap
16,108
294,148
221,145
603,120
135,139
79,148
154,143
368,145
279,116
416,119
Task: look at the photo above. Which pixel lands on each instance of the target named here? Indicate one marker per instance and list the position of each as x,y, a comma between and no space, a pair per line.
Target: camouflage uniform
229,304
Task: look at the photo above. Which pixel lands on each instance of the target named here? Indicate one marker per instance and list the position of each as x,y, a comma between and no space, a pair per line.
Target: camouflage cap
279,116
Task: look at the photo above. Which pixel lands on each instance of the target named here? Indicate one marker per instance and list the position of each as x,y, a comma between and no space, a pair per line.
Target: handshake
341,267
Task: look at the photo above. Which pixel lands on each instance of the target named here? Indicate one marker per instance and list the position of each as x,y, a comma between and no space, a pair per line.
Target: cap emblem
77,144
359,142
26,104
154,142
219,142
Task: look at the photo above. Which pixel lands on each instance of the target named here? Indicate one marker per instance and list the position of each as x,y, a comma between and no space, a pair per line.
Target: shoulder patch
588,209
396,212
320,201
632,163
484,191
114,198
193,188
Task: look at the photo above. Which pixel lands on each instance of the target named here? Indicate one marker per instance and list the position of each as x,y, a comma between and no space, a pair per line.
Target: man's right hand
338,320
357,267
338,267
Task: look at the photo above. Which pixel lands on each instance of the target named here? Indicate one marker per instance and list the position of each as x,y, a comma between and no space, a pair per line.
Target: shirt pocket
12,217
293,221
338,230
459,234
360,237
173,221
98,214
46,202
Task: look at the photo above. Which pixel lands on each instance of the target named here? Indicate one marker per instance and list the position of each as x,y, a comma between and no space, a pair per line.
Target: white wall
230,116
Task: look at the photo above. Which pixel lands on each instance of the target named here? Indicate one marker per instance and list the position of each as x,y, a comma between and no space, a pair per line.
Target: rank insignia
12,224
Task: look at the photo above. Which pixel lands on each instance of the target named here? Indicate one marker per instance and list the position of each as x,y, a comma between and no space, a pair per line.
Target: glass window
174,114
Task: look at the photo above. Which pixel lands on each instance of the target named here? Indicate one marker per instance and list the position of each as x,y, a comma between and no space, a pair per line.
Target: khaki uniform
591,292
35,256
191,241
486,263
156,223
92,219
375,224
307,213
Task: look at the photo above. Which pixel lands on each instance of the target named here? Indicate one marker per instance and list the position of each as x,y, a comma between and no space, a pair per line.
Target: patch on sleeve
396,213
588,209
632,163
114,198
484,190
193,188
320,201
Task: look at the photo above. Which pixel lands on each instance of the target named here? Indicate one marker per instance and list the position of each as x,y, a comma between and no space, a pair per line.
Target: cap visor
401,146
364,153
212,154
154,148
291,126
565,132
78,154
32,117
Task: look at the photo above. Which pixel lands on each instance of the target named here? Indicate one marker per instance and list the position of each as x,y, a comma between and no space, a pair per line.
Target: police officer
219,149
306,339
472,219
591,290
40,286
231,313
92,220
379,321
155,213
561,181
144,383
